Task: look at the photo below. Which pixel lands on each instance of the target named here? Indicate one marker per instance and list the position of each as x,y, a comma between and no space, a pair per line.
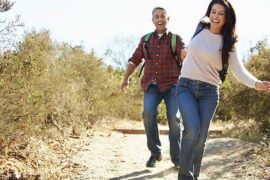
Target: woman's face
217,18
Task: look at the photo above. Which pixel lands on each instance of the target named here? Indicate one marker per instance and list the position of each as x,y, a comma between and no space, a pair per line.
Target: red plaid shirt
160,67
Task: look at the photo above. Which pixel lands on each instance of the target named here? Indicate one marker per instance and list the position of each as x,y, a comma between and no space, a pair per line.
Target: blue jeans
152,98
197,102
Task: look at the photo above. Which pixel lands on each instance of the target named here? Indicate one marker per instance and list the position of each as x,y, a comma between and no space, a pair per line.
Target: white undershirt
203,61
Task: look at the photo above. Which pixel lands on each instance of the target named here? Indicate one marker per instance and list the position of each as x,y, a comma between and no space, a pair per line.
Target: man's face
160,20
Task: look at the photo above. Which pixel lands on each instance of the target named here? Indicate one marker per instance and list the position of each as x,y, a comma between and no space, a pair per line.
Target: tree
8,28
5,5
120,49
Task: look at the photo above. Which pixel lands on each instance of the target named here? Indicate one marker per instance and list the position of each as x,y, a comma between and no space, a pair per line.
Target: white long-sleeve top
203,60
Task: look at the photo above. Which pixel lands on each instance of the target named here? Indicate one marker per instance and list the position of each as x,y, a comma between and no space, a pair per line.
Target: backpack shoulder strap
199,28
147,36
173,44
223,73
224,70
146,39
145,50
173,48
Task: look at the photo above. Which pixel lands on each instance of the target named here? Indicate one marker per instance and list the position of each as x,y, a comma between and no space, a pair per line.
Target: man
158,82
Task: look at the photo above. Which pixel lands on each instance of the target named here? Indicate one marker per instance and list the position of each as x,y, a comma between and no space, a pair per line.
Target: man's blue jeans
152,98
197,102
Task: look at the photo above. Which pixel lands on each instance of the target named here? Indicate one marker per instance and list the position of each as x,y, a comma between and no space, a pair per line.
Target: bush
44,83
243,103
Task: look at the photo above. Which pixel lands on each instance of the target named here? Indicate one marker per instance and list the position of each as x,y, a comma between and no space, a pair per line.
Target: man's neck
161,32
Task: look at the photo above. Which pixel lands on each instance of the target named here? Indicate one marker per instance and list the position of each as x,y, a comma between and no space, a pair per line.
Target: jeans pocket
180,87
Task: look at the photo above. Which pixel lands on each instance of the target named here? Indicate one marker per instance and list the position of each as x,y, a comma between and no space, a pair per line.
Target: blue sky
93,22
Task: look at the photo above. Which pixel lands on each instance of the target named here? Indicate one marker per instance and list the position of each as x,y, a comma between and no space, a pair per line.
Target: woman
198,86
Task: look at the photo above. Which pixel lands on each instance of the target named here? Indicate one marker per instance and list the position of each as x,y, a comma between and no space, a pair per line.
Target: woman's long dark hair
228,29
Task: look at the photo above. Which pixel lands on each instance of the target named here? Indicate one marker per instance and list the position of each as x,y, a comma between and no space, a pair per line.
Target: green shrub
239,102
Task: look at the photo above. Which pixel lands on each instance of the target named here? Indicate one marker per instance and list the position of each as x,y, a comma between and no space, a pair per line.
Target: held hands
263,85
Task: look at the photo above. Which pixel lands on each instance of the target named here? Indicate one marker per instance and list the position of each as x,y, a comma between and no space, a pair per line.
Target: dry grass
248,131
41,158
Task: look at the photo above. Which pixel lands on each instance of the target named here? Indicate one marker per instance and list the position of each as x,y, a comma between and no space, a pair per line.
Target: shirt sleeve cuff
255,84
131,63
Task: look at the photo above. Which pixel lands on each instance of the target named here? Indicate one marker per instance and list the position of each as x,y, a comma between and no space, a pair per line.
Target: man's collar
165,33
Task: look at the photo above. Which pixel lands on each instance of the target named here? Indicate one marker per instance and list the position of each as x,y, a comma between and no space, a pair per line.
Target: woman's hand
263,85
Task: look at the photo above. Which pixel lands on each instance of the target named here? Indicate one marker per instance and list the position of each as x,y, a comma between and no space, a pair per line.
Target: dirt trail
113,155
100,153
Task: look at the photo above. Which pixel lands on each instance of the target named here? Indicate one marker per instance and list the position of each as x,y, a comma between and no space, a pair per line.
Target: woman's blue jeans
152,98
197,103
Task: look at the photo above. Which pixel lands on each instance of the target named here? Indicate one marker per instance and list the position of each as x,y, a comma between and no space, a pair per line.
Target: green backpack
173,48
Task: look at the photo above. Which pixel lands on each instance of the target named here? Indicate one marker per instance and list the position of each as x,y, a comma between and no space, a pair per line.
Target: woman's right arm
239,70
242,74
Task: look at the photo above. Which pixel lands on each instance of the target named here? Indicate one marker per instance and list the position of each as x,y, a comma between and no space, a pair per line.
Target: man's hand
130,69
124,85
183,53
